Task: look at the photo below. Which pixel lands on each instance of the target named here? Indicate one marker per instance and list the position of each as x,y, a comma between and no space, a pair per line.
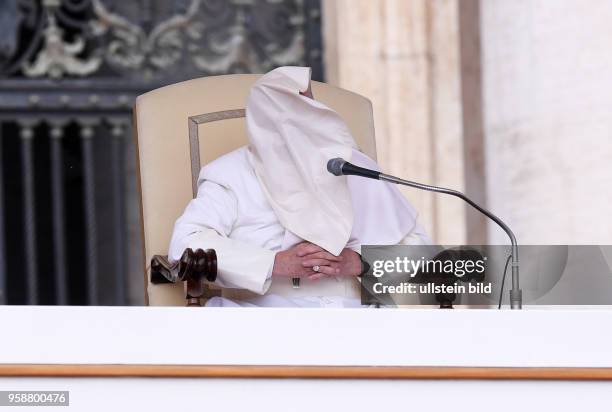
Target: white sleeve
206,224
417,236
382,215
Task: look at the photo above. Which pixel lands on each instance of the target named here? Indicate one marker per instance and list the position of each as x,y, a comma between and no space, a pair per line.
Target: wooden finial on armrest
193,267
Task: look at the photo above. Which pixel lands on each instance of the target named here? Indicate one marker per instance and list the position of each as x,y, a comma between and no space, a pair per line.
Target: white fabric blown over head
291,138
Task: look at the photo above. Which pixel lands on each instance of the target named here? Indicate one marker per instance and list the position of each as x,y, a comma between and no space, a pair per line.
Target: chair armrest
193,267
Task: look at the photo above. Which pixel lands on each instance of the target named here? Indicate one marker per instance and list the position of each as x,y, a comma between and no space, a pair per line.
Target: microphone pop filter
334,166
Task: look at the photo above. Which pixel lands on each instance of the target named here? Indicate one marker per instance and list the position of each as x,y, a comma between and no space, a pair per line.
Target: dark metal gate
69,73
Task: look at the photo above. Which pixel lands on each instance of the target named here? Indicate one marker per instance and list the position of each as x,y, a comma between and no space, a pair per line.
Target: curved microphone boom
339,166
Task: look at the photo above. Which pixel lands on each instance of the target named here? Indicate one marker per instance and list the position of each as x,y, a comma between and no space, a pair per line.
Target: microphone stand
516,295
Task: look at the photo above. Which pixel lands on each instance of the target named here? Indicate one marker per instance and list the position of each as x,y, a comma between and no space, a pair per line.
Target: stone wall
547,94
508,100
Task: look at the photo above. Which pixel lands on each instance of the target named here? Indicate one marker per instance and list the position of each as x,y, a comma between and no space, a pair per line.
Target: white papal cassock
231,215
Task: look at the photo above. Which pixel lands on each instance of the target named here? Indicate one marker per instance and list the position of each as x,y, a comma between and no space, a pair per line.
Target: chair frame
194,138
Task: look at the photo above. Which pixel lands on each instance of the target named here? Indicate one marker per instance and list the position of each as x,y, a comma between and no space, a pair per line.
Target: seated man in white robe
274,214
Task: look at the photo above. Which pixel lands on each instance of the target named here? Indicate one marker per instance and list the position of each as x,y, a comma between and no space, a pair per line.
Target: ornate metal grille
69,73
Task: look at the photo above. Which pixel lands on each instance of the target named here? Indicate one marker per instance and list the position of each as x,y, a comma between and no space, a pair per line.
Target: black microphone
339,166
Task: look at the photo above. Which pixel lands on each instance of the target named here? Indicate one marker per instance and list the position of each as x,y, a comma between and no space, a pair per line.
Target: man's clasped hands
307,260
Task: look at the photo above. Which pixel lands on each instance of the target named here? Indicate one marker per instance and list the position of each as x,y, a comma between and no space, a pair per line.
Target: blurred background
509,101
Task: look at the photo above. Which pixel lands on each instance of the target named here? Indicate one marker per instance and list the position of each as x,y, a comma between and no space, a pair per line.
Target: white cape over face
291,138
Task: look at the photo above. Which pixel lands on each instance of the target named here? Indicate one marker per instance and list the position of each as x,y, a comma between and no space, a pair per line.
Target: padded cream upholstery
162,136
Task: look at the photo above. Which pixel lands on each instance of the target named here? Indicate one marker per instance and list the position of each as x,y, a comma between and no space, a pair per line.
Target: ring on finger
316,268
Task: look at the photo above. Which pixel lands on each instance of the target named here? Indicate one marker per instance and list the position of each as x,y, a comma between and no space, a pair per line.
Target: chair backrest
181,127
